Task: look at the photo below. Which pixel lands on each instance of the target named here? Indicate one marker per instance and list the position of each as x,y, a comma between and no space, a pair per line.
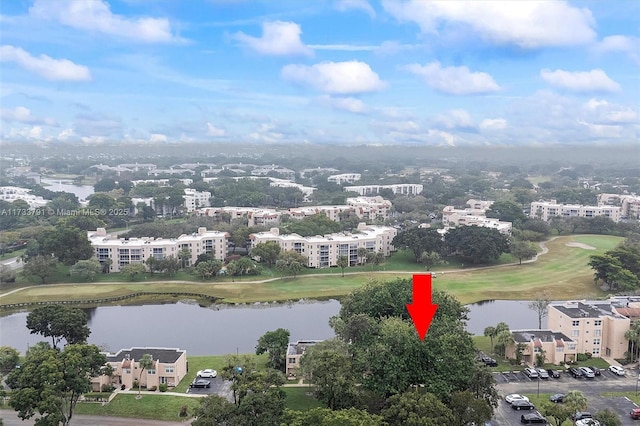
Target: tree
522,250
419,240
185,257
169,265
469,410
133,271
67,243
540,358
290,261
483,385
478,244
233,269
506,211
541,307
105,185
59,322
608,417
559,412
633,337
267,251
430,259
152,264
275,344
246,379
7,274
504,339
144,363
327,417
9,358
209,269
43,267
362,255
490,332
415,408
343,262
575,401
214,410
86,269
50,382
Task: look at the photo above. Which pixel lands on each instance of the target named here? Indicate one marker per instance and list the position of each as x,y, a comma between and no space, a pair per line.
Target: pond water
223,329
80,191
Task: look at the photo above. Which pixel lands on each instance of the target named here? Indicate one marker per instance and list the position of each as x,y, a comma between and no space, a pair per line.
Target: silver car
542,373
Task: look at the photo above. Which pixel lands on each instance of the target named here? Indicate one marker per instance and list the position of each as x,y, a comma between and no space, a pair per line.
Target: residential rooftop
164,355
587,309
525,336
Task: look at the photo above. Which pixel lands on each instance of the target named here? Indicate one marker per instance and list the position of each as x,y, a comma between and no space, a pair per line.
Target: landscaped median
562,273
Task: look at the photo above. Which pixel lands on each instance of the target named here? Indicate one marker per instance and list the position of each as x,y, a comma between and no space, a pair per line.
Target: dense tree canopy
274,343
317,224
419,241
506,211
40,266
59,322
476,243
267,251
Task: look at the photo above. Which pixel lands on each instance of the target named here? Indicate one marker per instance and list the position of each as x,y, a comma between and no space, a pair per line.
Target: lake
80,191
224,329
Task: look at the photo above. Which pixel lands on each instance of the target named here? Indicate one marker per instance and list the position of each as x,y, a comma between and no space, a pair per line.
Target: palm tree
504,338
343,262
490,332
145,363
632,336
575,400
362,254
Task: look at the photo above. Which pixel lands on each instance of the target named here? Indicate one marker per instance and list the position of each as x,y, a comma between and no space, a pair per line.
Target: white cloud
278,38
493,124
335,77
344,5
96,16
24,115
344,47
603,112
526,24
456,119
267,132
215,131
344,103
620,44
66,134
454,80
580,81
157,138
445,138
45,66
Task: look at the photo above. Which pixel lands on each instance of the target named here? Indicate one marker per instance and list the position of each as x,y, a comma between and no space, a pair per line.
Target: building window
575,323
292,360
536,350
151,371
597,332
572,347
168,369
559,348
596,351
575,333
597,322
596,342
126,370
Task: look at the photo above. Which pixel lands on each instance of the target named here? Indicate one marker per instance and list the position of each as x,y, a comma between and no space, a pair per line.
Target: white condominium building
344,178
398,189
546,210
473,215
14,193
370,208
323,251
195,199
256,216
629,204
332,212
121,252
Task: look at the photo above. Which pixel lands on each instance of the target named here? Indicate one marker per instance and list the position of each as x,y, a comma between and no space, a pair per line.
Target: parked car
595,370
557,398
200,383
521,404
587,422
531,373
553,373
635,413
586,372
207,373
575,372
515,397
581,415
616,370
489,362
533,418
542,373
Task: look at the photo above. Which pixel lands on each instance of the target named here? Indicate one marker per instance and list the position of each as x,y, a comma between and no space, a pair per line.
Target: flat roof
586,309
164,355
525,336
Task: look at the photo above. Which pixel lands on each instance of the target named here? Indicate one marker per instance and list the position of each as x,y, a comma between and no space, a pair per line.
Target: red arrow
422,310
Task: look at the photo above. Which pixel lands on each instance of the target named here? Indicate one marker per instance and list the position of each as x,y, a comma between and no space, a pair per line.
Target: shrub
107,388
183,411
584,357
163,387
152,388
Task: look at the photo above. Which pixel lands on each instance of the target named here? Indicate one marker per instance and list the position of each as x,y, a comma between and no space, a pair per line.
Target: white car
587,422
207,373
616,370
515,397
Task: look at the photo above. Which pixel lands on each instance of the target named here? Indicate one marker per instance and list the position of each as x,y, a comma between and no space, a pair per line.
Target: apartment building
398,189
474,214
629,204
332,212
294,354
161,182
344,178
15,193
324,251
370,208
195,199
255,216
119,252
545,210
596,326
557,346
169,367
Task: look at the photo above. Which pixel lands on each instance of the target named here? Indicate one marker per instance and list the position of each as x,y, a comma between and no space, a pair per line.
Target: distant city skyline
324,71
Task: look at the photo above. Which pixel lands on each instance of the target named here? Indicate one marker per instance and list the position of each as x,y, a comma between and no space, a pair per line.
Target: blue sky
321,71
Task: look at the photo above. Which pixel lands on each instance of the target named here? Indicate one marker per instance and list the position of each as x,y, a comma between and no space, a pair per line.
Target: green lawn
157,406
300,398
16,253
561,274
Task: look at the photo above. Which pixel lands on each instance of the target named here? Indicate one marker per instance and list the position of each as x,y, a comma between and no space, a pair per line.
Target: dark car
553,373
200,383
557,398
635,413
575,372
489,362
533,418
595,370
522,405
581,415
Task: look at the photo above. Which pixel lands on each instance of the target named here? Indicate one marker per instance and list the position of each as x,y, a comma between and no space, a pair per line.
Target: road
10,419
13,262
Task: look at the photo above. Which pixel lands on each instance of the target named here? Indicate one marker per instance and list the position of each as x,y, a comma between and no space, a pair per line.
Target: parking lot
592,388
218,387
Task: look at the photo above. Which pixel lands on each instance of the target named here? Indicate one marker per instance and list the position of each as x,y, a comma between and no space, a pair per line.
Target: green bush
163,387
183,411
584,357
108,388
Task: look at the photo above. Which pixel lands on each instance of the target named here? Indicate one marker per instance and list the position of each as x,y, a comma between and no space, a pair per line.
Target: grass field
299,398
562,273
157,406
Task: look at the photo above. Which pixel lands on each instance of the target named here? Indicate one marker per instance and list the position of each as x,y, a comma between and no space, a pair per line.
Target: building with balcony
545,210
557,347
14,193
344,178
398,189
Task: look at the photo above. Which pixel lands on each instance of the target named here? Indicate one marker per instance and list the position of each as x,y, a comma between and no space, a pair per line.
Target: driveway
218,387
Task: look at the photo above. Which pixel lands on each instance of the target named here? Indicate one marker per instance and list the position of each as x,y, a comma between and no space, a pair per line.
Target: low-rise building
294,354
255,216
15,193
117,252
195,199
557,347
398,189
629,204
545,210
344,178
596,326
324,251
169,367
370,208
474,214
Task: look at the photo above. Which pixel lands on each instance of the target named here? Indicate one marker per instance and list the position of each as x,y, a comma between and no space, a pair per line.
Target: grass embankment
562,273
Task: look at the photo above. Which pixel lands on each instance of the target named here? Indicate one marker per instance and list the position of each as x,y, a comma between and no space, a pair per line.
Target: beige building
557,346
546,210
370,208
169,367
324,251
195,199
294,354
473,214
596,326
120,252
344,178
629,204
398,189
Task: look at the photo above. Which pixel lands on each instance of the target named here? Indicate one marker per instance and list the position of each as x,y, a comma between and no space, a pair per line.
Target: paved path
13,262
11,419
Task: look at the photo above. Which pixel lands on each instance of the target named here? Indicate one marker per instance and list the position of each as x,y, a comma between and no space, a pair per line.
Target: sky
431,73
